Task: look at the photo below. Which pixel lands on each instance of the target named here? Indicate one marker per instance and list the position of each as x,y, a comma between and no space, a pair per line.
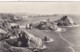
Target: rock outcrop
45,25
65,21
4,47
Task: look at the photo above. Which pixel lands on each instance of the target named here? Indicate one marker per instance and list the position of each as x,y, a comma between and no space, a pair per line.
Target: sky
40,7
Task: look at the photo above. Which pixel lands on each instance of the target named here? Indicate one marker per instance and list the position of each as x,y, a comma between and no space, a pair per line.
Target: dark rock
65,21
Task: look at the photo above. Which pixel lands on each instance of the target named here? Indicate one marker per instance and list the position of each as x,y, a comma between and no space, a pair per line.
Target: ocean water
67,41
73,36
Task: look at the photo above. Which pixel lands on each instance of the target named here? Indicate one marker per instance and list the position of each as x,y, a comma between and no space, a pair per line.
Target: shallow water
73,36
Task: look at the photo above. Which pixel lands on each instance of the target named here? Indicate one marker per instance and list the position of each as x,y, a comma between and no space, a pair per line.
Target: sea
68,41
64,41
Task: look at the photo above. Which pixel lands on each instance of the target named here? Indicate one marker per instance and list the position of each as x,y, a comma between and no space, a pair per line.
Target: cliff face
52,25
65,21
4,47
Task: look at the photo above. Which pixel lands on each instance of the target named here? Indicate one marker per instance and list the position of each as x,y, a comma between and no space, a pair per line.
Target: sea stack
65,21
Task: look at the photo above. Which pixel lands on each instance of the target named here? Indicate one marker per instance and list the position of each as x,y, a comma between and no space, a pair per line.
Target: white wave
60,30
67,42
51,40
